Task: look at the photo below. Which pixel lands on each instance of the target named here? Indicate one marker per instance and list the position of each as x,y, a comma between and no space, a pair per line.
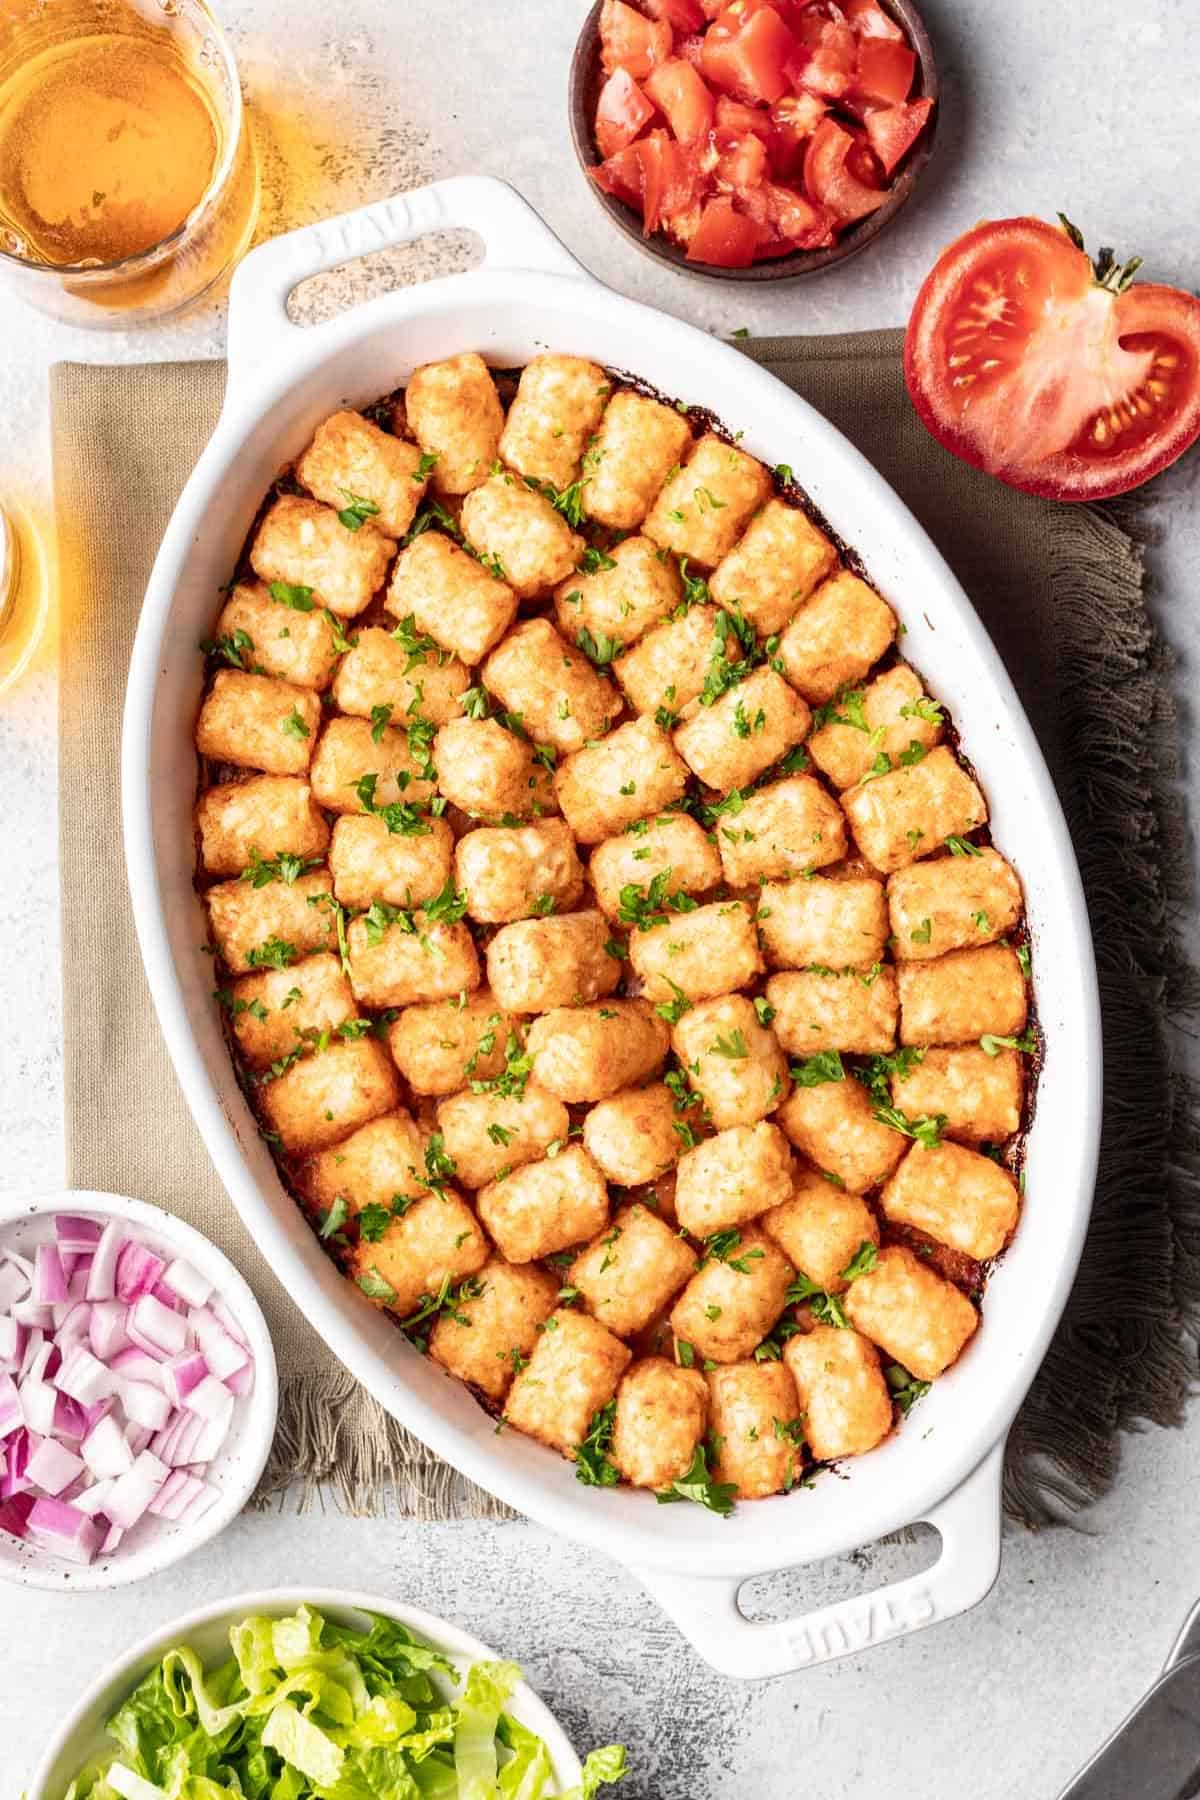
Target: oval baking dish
529,295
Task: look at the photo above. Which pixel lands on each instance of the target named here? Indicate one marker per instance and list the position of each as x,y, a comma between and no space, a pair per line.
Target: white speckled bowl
82,1734
25,1221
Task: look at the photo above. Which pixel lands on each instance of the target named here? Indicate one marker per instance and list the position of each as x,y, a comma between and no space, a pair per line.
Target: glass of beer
128,182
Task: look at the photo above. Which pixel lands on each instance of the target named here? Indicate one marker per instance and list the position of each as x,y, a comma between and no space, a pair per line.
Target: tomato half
723,237
631,41
1056,376
679,92
621,112
830,182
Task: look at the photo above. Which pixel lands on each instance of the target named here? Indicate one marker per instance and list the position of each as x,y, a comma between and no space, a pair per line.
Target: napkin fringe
1119,1360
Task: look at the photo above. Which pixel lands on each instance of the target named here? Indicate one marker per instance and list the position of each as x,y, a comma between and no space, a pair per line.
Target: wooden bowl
586,80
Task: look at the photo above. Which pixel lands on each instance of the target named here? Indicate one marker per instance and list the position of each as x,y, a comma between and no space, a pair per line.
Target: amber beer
127,180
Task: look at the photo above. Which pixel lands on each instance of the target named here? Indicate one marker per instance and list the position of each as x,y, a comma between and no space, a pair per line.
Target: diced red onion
74,1233
138,1269
38,1401
31,1312
13,1339
91,1500
209,1398
226,1318
34,1339
14,1285
144,1405
155,1330
133,1364
84,1377
241,1382
20,1448
53,1467
112,1539
102,1276
132,1492
223,1352
14,1514
49,1276
106,1329
77,1278
138,1437
180,1374
213,1436
61,1528
12,1415
70,1420
75,1326
177,1445
183,1496
192,1287
105,1450
166,1296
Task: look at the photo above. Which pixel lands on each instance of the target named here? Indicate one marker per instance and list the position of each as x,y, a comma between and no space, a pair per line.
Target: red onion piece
64,1530
155,1330
132,1492
14,1285
180,1374
14,1514
102,1276
104,1449
192,1287
49,1276
74,1233
53,1467
106,1329
138,1269
12,1416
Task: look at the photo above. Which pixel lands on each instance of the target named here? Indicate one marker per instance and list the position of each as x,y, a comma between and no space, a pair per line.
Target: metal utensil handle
707,1612
513,235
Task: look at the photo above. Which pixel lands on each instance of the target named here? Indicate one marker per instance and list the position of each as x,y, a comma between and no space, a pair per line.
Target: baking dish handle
706,1608
514,237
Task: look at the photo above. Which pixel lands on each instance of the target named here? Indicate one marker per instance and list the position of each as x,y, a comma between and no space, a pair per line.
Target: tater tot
835,637
773,568
904,815
638,444
730,744
454,412
515,871
488,1132
701,510
837,924
573,1372
632,1270
963,995
843,1396
546,1206
755,1428
325,1097
243,917
413,959
276,1011
826,1009
912,1313
836,1128
950,902
956,1196
552,687
632,772
368,862
888,715
557,407
348,749
440,1045
978,1095
267,816
734,1063
491,1334
732,1177
381,1164
632,1135
669,665
351,459
519,535
821,1228
491,774
660,1419
674,845
381,671
276,639
699,954
635,587
307,546
461,605
536,964
731,1303
256,722
786,828
584,1053
437,1240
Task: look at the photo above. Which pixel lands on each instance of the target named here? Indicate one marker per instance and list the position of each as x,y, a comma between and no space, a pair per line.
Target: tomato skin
631,41
679,92
1058,385
723,238
893,130
621,113
683,16
868,20
884,70
830,182
669,179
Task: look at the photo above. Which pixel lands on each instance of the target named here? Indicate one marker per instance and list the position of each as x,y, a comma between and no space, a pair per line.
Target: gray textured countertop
1044,108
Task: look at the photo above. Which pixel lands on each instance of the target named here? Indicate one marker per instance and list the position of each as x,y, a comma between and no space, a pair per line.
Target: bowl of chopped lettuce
315,1695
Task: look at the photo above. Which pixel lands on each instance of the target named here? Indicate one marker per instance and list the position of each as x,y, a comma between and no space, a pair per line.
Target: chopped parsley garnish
592,1464
381,717
698,1486
673,1010
232,648
923,932
335,1218
646,906
274,954
764,1010
375,1287
593,561
904,1388
426,466
924,708
827,1309
992,1045
961,846
861,1263
357,510
1024,960
926,1130
446,908
695,587
814,1071
294,725
720,1247
599,650
284,867
418,644
293,594
439,1167
876,1073
476,703
731,1044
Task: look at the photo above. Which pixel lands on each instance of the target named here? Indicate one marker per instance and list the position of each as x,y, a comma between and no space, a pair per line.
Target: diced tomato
785,216
681,15
793,121
741,158
691,49
679,92
621,113
724,238
885,70
746,52
670,179
631,41
869,20
621,176
712,8
829,69
861,161
893,130
733,116
830,182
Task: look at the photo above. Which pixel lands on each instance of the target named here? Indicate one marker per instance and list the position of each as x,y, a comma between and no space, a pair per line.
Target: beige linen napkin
1060,590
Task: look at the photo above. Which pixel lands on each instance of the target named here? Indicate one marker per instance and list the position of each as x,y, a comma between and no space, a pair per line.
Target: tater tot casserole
607,930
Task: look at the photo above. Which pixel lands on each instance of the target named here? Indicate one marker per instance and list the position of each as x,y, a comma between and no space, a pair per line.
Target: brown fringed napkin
1060,589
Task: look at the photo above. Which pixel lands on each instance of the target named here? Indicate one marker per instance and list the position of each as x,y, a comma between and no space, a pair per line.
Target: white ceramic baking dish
529,295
